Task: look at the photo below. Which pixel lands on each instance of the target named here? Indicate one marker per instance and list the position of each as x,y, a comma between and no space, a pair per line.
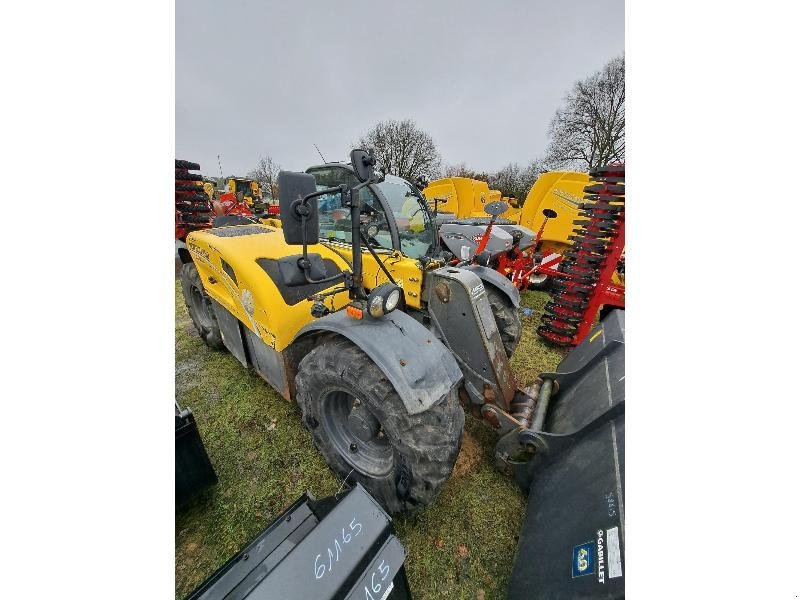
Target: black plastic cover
193,470
290,278
331,549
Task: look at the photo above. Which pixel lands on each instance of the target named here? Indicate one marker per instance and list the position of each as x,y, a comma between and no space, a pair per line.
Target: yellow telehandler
372,325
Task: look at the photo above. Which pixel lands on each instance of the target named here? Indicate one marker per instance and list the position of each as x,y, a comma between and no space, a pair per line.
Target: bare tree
461,170
403,149
266,174
589,130
515,181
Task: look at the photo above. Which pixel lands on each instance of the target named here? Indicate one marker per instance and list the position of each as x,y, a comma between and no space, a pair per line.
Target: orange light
354,312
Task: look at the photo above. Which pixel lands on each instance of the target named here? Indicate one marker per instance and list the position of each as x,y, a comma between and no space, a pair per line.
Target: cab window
334,220
413,221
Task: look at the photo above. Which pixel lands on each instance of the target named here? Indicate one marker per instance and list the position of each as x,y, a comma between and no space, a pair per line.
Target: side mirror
549,213
363,164
496,208
293,188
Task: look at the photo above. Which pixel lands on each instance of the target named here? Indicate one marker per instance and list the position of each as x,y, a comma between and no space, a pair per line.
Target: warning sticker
614,555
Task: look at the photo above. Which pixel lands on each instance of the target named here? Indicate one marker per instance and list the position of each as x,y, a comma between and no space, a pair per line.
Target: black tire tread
186,164
506,317
429,441
211,336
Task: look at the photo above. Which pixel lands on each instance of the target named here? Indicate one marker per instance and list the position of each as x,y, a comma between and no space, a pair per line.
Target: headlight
383,299
392,299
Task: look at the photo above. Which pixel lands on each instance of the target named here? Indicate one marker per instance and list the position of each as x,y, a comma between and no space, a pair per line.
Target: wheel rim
356,434
201,308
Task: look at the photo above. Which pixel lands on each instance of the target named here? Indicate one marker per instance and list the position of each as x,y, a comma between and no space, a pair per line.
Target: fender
497,280
421,369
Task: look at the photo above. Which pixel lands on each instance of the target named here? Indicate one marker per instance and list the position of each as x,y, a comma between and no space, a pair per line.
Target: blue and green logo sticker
583,559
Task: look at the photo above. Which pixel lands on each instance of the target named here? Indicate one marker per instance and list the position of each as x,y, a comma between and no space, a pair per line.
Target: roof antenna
320,154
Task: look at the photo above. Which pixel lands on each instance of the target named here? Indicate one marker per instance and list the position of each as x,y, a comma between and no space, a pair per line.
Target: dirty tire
186,176
188,187
506,317
199,305
201,197
186,164
420,450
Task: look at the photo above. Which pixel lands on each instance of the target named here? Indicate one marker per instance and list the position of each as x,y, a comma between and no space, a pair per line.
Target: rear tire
507,318
200,308
402,459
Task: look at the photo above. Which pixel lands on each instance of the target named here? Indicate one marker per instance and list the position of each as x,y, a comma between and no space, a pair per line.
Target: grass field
460,547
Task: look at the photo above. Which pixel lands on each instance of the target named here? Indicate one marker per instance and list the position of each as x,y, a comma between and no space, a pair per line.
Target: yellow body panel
271,319
560,191
461,196
466,197
407,272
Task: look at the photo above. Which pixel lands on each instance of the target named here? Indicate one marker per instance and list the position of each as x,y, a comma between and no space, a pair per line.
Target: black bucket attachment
333,548
193,470
572,541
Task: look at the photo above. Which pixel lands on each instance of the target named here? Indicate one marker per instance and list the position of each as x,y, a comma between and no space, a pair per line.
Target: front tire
362,428
506,317
199,305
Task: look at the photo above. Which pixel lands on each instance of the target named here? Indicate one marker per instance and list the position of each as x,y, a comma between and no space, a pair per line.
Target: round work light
383,299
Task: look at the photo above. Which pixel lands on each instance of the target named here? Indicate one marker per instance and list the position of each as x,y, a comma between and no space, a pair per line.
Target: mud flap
231,332
572,541
416,363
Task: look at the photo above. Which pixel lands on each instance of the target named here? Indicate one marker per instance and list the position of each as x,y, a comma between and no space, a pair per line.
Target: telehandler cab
352,308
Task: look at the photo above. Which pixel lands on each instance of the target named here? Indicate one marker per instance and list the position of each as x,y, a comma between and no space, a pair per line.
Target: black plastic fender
491,276
421,369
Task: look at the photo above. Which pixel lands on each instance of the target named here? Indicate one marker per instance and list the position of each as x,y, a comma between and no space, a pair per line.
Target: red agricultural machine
590,275
527,267
192,204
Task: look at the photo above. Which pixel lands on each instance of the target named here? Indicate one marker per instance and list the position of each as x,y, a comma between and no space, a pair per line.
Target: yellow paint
407,272
591,339
209,189
461,196
466,197
560,191
275,322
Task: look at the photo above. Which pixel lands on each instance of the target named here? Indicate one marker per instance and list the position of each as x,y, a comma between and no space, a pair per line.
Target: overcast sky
483,78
